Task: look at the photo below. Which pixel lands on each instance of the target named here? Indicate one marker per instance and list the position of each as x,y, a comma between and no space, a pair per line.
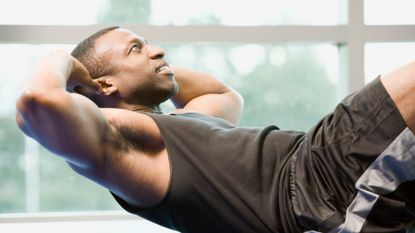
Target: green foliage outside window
12,175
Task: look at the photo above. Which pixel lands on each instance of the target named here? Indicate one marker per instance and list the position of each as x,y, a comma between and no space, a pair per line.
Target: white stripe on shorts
393,167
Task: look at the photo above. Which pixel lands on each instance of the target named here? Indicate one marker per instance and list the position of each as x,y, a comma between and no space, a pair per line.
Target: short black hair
85,53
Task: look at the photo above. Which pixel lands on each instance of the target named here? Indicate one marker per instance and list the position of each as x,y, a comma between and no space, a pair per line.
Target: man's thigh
400,84
337,152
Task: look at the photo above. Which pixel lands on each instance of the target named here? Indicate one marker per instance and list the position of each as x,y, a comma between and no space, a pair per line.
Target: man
194,170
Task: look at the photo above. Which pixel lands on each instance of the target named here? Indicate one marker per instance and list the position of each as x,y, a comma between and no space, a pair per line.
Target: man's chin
170,92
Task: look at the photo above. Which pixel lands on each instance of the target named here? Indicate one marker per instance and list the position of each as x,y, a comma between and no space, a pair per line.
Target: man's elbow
27,101
32,100
240,100
236,106
28,107
237,99
24,105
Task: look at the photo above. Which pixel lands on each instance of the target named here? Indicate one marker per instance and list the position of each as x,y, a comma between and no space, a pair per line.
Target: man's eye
135,47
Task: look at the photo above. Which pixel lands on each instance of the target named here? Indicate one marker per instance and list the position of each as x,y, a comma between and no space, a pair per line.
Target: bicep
69,125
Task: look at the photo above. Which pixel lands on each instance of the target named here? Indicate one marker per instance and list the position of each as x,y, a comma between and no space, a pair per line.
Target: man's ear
107,85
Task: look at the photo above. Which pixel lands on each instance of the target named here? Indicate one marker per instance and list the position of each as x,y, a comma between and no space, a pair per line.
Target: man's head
129,70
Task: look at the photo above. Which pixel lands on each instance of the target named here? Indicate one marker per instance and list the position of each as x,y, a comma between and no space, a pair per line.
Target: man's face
142,74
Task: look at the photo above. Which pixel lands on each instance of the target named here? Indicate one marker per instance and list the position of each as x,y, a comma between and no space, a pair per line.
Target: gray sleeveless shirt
224,178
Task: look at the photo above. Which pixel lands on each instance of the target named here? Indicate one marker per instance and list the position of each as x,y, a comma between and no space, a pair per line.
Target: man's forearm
56,118
193,84
51,73
59,71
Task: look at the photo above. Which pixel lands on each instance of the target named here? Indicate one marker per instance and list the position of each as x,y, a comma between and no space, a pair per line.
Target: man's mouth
164,68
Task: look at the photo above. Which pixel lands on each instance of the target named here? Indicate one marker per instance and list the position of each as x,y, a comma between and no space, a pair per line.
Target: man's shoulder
131,127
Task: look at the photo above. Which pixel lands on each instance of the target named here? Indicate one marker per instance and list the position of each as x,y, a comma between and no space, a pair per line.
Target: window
181,12
49,12
292,60
384,57
267,75
386,12
243,13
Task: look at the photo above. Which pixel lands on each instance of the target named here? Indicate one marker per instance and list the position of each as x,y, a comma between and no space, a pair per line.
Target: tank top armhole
135,209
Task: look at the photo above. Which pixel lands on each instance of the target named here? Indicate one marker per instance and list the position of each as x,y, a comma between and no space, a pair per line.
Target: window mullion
355,73
32,175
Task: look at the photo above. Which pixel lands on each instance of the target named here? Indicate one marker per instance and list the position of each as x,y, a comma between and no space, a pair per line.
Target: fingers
81,82
96,87
86,88
92,89
84,91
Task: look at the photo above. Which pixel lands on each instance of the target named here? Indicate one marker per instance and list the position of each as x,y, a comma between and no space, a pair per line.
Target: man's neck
142,108
116,103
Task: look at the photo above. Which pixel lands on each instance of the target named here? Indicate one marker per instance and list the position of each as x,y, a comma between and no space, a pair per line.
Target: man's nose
156,52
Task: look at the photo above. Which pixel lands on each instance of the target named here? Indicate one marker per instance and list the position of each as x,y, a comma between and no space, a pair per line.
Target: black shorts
337,151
